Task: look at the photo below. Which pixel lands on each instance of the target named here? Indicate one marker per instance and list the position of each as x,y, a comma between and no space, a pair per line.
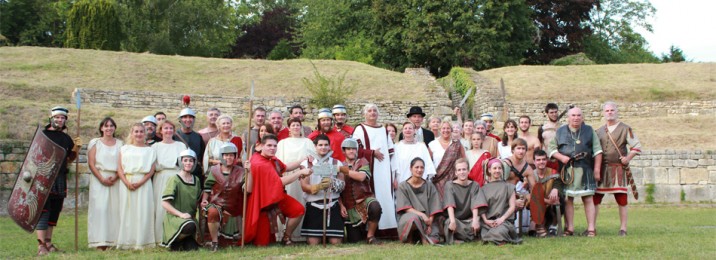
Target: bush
461,82
94,25
574,59
327,91
282,51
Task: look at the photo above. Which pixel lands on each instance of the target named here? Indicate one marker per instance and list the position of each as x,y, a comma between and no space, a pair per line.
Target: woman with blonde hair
136,197
167,152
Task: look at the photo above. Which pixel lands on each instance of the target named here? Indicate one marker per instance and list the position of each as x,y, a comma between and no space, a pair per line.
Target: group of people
449,182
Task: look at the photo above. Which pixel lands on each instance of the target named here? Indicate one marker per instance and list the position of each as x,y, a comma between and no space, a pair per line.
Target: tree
94,25
188,27
34,22
562,27
675,55
259,39
614,39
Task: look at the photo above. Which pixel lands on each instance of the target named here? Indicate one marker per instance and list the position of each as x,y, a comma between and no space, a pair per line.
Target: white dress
505,151
103,211
290,150
404,153
438,151
382,179
167,158
136,208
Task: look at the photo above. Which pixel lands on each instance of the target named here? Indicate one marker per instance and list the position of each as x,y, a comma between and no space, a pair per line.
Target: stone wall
488,99
436,102
671,172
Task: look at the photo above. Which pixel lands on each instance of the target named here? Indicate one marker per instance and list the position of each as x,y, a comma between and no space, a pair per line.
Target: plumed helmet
150,119
339,109
349,143
228,147
324,113
187,112
58,110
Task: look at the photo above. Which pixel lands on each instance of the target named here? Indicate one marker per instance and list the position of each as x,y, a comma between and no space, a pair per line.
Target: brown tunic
463,199
424,199
494,200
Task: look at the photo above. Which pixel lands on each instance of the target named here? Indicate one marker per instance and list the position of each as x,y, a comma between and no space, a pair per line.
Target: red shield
537,205
34,181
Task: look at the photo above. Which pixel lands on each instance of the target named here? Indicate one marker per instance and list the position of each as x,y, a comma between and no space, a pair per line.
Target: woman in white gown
440,144
405,151
136,196
103,211
212,155
510,134
295,148
167,152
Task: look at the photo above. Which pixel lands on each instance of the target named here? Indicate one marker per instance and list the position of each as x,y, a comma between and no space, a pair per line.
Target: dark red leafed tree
562,25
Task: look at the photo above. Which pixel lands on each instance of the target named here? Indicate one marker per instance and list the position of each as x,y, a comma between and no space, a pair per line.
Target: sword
559,220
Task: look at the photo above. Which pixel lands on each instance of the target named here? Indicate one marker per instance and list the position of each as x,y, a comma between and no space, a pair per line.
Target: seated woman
417,204
496,202
179,200
463,222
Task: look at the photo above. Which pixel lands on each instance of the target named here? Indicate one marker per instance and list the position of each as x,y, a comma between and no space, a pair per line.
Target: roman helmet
187,153
186,112
339,109
151,119
58,110
226,148
349,143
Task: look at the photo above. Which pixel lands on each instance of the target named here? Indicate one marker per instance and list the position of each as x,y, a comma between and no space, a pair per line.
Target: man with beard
53,206
489,144
325,126
422,134
532,140
340,114
578,149
193,140
615,136
276,120
150,123
489,126
211,130
296,111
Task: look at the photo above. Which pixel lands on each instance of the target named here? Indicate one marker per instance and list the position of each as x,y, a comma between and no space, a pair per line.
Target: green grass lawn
654,232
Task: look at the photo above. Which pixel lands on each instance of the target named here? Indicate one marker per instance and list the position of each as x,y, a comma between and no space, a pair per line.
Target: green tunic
183,196
463,199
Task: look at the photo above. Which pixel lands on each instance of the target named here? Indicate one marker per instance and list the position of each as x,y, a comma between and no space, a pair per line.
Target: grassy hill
32,80
621,82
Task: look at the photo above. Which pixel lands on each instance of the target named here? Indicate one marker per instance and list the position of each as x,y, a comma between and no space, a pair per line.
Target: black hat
415,110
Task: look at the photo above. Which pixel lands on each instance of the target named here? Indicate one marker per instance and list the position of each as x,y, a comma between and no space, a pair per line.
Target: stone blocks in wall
694,176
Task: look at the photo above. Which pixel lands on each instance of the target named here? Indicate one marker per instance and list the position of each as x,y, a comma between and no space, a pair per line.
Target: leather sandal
591,233
374,241
540,232
622,233
52,248
42,250
568,233
286,240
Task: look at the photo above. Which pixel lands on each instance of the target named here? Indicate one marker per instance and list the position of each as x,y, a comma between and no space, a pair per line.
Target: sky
687,24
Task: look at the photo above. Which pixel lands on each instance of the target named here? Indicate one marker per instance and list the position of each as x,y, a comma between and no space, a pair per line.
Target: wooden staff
78,100
247,171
